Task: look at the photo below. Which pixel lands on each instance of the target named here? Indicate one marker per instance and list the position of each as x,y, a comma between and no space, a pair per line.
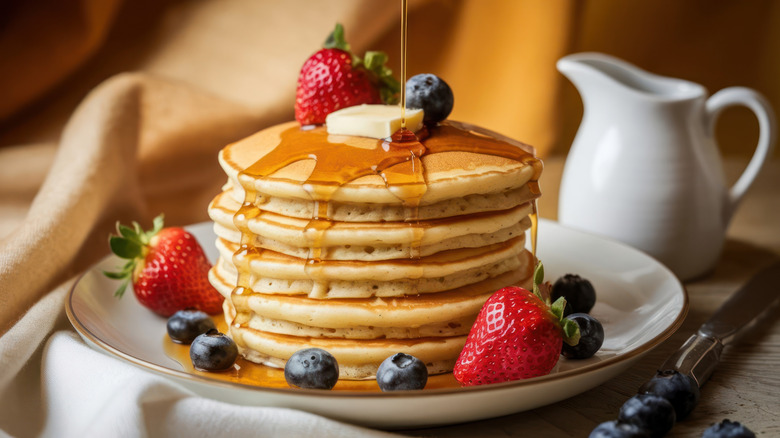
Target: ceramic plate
640,303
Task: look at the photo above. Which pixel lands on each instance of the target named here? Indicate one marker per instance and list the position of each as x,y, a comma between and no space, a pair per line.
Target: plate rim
160,369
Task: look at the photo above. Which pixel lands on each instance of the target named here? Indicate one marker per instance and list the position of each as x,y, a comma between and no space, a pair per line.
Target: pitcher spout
598,72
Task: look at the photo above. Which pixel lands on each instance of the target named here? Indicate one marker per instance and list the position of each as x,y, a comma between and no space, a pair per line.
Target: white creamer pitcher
644,167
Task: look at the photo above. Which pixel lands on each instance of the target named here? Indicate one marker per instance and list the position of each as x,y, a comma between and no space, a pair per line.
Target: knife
700,354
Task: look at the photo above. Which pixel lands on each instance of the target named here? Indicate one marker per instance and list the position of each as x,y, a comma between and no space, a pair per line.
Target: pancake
410,311
273,272
457,327
357,359
368,241
447,175
278,265
366,248
351,212
368,288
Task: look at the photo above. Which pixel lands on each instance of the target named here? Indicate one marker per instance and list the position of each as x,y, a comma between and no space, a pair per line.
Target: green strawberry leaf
571,332
537,281
374,60
157,225
389,87
557,308
122,288
125,248
115,275
335,39
538,273
128,233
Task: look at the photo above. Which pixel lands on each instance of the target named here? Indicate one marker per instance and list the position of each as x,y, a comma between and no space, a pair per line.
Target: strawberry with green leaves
517,335
334,78
167,268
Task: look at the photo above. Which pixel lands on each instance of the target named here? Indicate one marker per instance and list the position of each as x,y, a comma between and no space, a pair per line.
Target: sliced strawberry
334,78
517,335
167,267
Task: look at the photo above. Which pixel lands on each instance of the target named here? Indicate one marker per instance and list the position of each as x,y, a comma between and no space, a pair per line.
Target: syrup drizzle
403,63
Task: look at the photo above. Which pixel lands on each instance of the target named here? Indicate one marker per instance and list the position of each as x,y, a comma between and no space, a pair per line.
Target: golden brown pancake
367,247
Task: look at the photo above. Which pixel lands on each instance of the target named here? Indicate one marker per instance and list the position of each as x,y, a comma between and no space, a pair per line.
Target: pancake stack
366,248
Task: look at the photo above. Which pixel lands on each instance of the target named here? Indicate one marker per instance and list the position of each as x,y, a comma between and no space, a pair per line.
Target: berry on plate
591,337
579,293
650,412
401,372
681,390
431,94
334,78
213,351
312,368
517,335
185,325
167,268
728,429
615,429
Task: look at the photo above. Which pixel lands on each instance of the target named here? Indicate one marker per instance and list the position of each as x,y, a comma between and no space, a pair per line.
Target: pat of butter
375,121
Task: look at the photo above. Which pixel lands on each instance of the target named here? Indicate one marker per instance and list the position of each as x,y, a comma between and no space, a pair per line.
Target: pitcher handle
766,139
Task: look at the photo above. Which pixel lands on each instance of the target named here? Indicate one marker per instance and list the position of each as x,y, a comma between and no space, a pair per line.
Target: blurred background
498,56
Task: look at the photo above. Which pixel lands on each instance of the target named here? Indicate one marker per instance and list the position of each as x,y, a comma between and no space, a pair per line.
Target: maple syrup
403,63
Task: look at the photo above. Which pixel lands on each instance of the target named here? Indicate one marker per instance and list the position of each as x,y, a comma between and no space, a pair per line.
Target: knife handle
697,358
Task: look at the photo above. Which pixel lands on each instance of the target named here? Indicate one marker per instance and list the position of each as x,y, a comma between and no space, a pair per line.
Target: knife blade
700,354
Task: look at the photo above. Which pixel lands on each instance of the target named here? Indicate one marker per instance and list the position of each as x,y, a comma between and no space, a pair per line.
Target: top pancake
447,174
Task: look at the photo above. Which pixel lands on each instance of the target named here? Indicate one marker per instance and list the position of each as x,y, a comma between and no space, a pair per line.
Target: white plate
640,303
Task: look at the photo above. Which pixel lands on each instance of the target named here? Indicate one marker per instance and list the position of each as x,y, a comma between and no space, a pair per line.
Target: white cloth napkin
54,385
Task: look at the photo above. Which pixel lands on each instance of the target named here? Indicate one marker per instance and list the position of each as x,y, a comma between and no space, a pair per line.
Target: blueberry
312,368
213,351
591,337
430,93
185,325
401,372
579,293
614,429
728,429
650,412
681,391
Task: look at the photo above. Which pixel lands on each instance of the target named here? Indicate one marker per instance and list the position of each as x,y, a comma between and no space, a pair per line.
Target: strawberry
334,78
167,267
517,335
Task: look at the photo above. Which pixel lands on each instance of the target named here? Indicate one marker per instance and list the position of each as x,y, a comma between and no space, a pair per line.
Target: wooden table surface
746,385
